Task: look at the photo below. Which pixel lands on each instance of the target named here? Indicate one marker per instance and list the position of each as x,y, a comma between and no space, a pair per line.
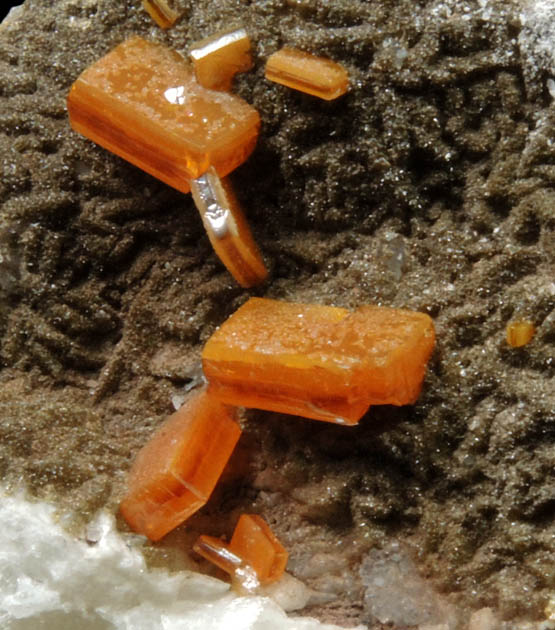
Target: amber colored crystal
161,13
142,102
254,548
217,59
319,362
228,229
305,72
520,332
258,546
175,472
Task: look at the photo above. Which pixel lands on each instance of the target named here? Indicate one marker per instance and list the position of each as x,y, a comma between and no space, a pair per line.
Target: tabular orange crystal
217,59
228,229
176,471
161,13
317,361
142,102
520,332
305,72
254,556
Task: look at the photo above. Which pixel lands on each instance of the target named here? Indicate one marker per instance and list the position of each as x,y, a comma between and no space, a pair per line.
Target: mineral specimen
305,72
318,361
254,555
228,229
520,332
175,472
161,13
217,59
141,101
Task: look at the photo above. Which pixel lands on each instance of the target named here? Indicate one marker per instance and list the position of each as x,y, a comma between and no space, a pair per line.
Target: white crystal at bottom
50,580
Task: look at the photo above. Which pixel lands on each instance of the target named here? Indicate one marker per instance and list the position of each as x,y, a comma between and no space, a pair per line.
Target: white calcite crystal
50,580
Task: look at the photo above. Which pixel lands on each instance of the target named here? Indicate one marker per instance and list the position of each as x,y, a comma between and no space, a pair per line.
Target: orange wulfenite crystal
176,471
520,332
217,59
317,361
160,12
253,546
305,72
141,101
228,229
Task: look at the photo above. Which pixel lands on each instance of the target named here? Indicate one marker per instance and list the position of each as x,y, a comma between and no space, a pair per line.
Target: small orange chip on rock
161,12
520,332
227,228
316,361
175,472
141,101
307,73
217,59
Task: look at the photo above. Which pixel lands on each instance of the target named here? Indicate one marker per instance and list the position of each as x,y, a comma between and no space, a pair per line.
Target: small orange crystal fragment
520,332
217,59
305,72
160,12
175,472
254,548
141,101
228,229
319,362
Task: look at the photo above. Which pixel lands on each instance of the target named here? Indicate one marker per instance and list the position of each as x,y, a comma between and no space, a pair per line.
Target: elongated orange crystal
305,72
319,362
141,101
228,229
217,59
175,472
254,556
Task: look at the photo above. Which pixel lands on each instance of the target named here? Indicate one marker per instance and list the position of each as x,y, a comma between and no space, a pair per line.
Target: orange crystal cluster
217,59
254,556
319,362
141,101
175,472
305,72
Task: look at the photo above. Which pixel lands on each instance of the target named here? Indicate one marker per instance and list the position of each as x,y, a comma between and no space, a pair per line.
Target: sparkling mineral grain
228,229
316,361
305,72
175,472
142,102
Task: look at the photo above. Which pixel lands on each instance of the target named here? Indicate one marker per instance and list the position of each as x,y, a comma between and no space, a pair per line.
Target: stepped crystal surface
316,361
217,59
142,102
307,73
175,472
228,229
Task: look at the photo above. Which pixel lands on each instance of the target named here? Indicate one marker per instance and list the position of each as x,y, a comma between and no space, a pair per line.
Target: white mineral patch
52,581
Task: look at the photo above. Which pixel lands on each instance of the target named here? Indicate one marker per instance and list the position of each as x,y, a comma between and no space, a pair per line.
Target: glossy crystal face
142,102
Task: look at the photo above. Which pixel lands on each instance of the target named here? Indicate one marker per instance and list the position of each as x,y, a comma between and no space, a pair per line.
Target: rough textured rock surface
429,186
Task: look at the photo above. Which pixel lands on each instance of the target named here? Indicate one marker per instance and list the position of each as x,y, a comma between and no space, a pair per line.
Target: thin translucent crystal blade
307,73
175,472
217,552
318,361
228,229
141,101
217,59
